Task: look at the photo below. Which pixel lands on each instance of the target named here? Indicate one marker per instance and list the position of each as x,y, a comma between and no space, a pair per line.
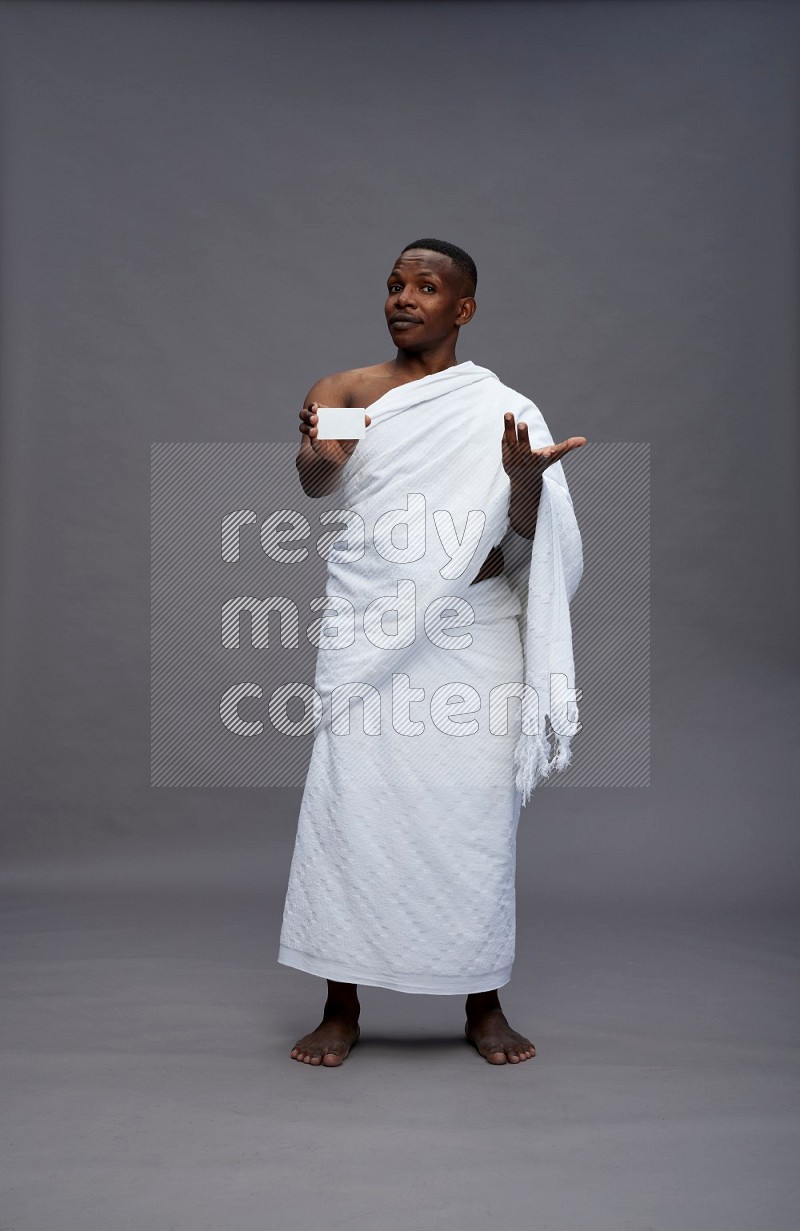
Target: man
403,869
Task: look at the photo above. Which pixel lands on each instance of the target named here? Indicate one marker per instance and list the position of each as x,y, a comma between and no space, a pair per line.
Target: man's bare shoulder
354,387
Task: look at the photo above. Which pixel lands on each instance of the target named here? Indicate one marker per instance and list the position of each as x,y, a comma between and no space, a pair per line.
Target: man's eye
430,287
393,286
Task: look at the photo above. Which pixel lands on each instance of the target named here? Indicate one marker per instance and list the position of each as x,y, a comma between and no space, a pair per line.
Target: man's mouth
404,320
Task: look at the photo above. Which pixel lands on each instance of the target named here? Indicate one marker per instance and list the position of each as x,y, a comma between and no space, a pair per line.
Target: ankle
342,1000
337,1006
479,1003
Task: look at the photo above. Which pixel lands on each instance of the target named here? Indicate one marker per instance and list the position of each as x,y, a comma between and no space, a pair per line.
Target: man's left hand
525,465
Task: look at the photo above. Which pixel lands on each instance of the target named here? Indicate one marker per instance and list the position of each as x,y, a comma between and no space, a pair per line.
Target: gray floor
148,1082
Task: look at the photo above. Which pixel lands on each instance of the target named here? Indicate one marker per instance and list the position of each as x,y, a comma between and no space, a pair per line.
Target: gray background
200,206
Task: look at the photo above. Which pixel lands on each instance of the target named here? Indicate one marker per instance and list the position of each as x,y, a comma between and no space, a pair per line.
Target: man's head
432,285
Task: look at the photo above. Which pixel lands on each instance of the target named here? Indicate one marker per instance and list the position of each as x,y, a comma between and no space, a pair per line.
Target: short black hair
461,259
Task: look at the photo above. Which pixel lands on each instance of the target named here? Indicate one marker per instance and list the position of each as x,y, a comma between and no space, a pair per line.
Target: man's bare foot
329,1044
338,1031
488,1031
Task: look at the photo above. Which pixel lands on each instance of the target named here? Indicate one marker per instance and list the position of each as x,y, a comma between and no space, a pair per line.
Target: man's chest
366,389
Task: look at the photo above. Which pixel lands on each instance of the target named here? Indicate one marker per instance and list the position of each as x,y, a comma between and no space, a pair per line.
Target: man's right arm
320,468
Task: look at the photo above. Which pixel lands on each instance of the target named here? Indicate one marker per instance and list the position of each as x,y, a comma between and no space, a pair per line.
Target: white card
341,423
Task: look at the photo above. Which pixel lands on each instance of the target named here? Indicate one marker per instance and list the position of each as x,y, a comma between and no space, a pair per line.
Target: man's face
426,299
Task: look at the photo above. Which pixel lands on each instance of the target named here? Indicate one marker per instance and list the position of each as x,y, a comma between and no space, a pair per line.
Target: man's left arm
523,506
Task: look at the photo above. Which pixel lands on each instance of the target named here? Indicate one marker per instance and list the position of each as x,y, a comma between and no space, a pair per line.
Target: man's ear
466,311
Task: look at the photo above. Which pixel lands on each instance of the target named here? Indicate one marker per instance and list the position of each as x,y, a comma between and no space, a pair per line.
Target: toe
495,1055
332,1058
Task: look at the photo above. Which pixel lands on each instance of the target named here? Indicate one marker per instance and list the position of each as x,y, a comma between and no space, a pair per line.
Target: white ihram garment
403,872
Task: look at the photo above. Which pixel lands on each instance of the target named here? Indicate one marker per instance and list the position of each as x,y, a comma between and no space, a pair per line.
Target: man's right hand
334,451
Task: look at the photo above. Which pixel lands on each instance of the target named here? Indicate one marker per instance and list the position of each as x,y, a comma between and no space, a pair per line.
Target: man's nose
405,298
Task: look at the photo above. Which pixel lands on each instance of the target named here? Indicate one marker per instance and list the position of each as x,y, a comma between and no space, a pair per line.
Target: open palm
524,465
